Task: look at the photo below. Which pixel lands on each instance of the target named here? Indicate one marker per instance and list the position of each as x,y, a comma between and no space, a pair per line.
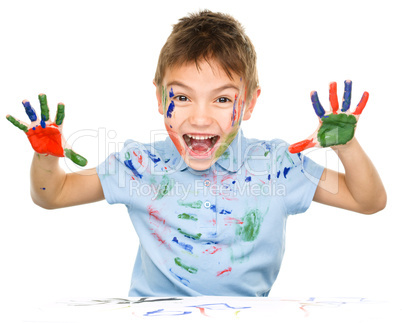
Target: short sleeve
118,171
299,177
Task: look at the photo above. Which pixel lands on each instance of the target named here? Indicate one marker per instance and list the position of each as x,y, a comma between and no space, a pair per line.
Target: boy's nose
200,116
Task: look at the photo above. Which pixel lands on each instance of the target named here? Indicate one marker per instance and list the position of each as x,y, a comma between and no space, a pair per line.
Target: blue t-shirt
215,232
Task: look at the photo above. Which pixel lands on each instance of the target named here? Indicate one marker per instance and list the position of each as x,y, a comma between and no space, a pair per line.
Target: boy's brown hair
207,35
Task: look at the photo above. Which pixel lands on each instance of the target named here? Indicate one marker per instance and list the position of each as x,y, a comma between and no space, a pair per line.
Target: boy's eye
223,100
181,98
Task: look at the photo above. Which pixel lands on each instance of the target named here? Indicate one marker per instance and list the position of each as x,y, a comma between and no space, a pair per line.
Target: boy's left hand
336,127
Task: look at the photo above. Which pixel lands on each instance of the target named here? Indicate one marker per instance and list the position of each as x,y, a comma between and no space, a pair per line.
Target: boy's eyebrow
219,89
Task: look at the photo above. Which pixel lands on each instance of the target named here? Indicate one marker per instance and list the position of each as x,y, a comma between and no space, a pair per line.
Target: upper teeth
200,137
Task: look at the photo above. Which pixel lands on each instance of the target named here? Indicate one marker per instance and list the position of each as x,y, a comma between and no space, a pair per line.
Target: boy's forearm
47,179
361,177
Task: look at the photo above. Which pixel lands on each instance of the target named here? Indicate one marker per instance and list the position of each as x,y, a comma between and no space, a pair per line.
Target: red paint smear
225,177
212,250
300,146
46,140
333,98
138,158
233,220
362,104
157,236
155,214
224,271
202,310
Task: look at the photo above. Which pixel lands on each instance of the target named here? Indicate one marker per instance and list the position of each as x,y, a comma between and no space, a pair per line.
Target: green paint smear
75,158
127,155
186,216
44,109
17,124
164,99
249,230
193,205
196,237
179,263
336,129
222,148
60,114
165,186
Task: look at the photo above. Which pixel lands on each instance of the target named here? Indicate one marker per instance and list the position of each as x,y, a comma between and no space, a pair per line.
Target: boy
209,205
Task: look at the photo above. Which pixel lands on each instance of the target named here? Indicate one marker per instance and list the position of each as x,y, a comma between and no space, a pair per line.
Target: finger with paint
336,128
46,137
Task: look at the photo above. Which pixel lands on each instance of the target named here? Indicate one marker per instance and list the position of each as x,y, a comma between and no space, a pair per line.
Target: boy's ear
159,98
251,105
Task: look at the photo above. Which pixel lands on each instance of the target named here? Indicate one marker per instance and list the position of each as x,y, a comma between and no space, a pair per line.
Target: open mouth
200,144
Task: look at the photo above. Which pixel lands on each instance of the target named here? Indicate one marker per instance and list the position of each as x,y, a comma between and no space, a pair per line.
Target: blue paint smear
184,281
269,177
171,94
278,174
233,113
129,164
347,96
167,160
162,312
170,110
319,110
248,179
43,124
153,157
299,155
43,188
233,182
225,212
286,171
220,306
30,111
183,245
213,208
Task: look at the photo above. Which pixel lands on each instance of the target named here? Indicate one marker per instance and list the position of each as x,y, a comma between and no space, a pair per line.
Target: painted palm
336,127
45,135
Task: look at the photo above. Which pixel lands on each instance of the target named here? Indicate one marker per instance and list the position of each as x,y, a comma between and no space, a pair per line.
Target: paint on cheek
225,144
234,110
170,109
336,129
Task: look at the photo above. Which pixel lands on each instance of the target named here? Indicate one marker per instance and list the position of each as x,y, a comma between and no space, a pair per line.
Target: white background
99,58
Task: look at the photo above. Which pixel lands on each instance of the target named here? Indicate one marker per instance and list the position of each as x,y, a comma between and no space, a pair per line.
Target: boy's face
203,109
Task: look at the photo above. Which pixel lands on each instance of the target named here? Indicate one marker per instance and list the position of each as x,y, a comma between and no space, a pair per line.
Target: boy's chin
199,164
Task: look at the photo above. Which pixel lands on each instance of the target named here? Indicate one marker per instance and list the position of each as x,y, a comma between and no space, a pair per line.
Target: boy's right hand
46,136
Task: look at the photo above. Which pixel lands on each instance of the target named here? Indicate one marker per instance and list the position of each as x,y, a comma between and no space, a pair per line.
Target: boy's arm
359,189
52,188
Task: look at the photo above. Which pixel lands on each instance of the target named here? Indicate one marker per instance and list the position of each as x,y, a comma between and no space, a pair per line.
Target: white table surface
190,309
